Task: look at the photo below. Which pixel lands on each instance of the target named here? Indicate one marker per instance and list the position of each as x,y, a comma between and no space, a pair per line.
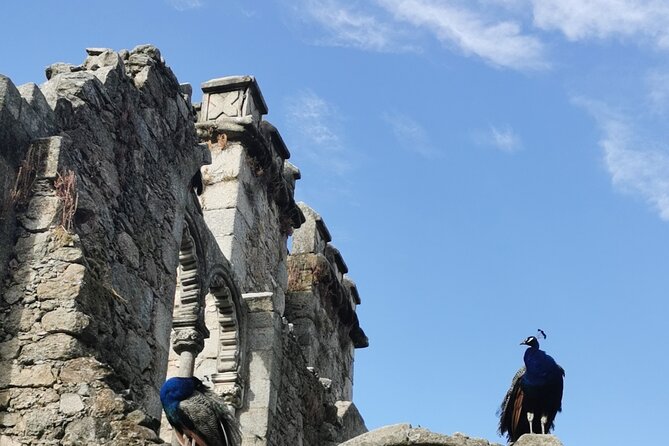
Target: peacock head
177,389
531,341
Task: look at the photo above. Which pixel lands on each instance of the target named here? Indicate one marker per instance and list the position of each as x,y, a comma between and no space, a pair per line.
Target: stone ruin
144,237
141,237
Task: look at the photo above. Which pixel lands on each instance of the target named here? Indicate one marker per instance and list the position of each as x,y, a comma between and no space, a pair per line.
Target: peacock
535,396
199,416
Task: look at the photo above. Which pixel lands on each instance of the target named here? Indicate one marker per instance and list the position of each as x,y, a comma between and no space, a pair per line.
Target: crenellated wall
144,237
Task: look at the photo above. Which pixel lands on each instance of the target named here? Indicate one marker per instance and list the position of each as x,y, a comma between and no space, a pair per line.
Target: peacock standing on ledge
199,416
535,396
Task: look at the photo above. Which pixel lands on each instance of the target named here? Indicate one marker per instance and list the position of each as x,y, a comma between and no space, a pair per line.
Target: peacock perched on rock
535,396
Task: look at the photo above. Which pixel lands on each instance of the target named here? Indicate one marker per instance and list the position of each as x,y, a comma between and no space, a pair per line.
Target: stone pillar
248,204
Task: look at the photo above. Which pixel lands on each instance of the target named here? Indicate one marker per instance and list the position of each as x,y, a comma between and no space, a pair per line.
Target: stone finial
232,97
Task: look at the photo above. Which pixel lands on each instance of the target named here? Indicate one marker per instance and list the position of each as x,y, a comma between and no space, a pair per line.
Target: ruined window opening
207,326
228,377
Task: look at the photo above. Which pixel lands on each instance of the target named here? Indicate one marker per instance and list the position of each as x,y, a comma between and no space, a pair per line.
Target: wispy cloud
396,25
411,135
637,167
657,84
350,26
317,132
505,139
501,43
501,137
583,19
184,5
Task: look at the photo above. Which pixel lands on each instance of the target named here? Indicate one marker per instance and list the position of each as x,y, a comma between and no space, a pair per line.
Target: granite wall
135,226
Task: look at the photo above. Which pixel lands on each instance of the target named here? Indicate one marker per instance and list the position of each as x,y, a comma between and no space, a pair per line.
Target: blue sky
486,167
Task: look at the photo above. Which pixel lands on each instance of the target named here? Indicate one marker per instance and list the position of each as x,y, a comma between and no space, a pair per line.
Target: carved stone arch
229,378
189,328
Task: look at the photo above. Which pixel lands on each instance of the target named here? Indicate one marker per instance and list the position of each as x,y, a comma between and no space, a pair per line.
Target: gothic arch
220,341
230,364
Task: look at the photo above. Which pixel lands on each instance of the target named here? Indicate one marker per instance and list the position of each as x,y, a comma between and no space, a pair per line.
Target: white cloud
657,84
394,26
411,135
501,43
351,27
503,138
583,19
183,5
636,167
316,126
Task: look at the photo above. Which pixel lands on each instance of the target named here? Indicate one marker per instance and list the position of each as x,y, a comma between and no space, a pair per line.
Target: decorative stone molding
188,324
229,380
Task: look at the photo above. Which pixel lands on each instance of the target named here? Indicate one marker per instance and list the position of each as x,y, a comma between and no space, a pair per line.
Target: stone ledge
405,435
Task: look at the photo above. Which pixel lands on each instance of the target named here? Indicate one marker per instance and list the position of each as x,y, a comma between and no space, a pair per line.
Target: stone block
65,321
8,419
259,302
83,370
65,287
254,425
4,399
10,349
41,214
106,402
54,346
28,398
39,375
538,440
312,236
87,430
71,403
221,195
128,249
6,440
224,222
50,149
404,435
227,164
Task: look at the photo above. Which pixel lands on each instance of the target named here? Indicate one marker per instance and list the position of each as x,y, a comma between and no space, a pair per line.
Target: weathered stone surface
128,249
350,419
71,403
538,440
404,435
53,346
87,430
10,349
66,286
107,402
83,370
42,212
4,399
106,288
39,375
40,421
8,419
27,398
6,440
65,321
